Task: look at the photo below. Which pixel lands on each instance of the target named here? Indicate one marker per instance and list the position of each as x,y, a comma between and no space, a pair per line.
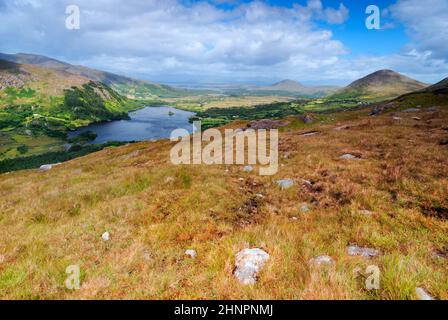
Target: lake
150,123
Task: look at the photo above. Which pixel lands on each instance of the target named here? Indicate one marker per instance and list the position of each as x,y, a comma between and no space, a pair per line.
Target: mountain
47,81
132,88
292,86
285,85
381,84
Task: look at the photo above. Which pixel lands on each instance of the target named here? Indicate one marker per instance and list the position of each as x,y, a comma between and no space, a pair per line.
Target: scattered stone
46,167
306,119
105,236
266,124
307,182
342,128
169,179
397,118
147,255
191,253
286,155
432,109
422,294
248,169
410,110
294,219
28,132
241,179
364,252
375,111
259,195
2,258
304,208
349,156
285,183
309,133
365,212
249,263
321,260
417,118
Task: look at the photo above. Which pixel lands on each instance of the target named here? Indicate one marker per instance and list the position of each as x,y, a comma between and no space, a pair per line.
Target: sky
235,41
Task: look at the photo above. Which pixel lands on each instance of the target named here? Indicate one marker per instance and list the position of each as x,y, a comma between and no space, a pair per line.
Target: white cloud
174,40
426,23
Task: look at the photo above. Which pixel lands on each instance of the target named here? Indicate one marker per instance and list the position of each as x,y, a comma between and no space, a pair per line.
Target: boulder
422,294
46,167
309,133
363,252
248,169
191,253
285,183
349,156
249,263
321,261
105,236
306,118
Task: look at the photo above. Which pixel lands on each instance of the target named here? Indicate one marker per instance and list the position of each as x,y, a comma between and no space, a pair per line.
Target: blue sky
222,41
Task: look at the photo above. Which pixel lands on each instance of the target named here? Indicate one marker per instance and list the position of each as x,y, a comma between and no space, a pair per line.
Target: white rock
364,252
249,263
191,253
294,219
285,183
248,169
321,260
365,212
349,156
259,195
46,167
422,294
105,236
2,258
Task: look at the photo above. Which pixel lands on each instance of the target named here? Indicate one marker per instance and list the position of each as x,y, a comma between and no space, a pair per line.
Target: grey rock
46,167
249,262
363,252
432,109
309,134
410,110
191,253
321,261
248,169
365,212
285,183
306,118
349,156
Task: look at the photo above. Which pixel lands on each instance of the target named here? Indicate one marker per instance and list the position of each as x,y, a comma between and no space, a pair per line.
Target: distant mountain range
297,87
132,88
382,84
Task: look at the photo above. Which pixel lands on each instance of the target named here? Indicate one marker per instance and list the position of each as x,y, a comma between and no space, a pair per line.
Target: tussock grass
154,211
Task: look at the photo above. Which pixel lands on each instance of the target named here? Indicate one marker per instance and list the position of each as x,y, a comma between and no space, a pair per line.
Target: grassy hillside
154,211
132,88
38,106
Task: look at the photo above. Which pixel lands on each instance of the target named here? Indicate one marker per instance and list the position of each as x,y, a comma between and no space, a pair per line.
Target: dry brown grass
154,211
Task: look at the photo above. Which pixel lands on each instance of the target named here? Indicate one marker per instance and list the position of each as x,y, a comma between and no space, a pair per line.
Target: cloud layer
173,41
